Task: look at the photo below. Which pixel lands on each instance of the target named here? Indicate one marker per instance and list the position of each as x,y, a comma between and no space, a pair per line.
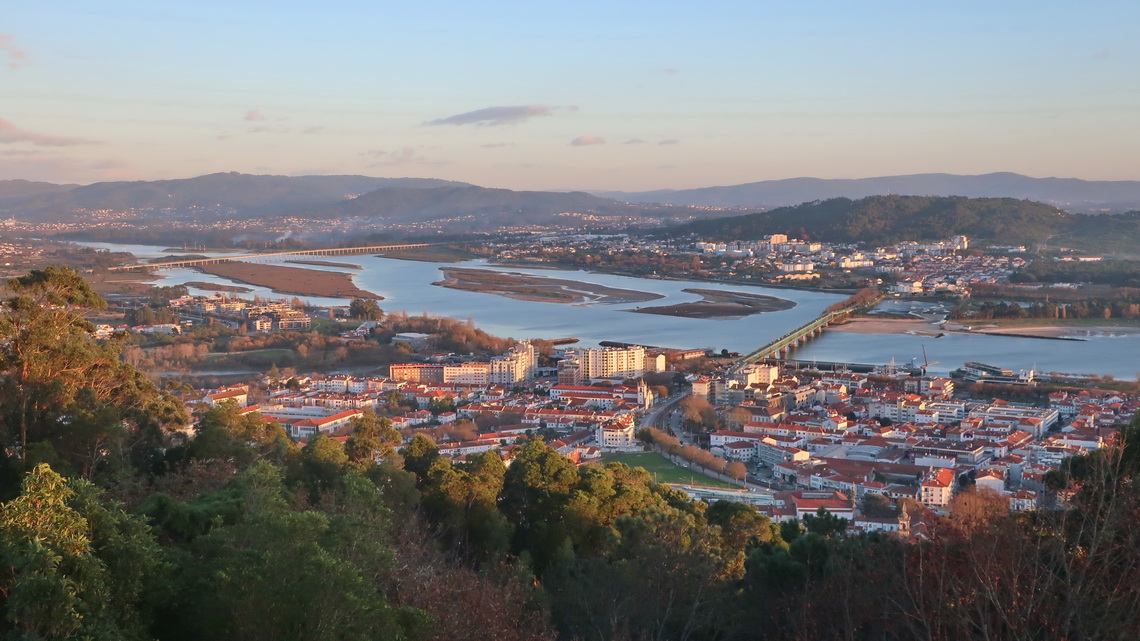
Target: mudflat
290,280
538,288
718,303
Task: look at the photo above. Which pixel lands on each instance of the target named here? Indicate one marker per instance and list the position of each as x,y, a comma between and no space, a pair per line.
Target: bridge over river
267,256
783,346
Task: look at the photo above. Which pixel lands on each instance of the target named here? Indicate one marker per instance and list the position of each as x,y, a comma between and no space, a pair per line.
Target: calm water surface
406,285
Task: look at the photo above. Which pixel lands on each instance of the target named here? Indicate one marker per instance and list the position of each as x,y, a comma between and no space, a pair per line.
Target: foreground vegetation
118,523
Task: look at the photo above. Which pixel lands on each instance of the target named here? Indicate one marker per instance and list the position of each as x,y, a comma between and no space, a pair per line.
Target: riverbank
295,281
540,289
719,304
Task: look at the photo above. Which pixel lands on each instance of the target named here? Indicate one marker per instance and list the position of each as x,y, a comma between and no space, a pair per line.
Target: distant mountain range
465,207
1071,194
474,207
237,195
365,199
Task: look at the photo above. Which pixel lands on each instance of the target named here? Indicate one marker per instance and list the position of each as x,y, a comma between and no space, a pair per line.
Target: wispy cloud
16,56
10,133
265,123
495,116
582,141
404,155
669,141
401,156
634,141
267,129
496,145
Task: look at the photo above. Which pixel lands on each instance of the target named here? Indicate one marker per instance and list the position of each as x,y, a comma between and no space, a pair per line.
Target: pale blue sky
682,94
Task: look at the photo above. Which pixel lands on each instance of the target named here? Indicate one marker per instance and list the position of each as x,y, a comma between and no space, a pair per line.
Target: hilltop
885,219
1072,194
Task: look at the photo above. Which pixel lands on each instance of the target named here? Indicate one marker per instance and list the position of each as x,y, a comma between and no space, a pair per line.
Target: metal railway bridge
332,251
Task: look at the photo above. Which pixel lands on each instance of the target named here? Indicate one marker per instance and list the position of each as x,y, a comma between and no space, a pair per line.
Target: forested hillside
886,219
117,523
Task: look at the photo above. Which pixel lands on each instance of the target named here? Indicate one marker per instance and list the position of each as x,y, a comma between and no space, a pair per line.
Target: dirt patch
290,280
538,288
719,304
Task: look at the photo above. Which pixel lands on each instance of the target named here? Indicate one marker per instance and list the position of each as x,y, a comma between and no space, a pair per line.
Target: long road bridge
332,251
783,346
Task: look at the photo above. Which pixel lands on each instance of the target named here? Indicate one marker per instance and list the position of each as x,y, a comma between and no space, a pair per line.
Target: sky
556,95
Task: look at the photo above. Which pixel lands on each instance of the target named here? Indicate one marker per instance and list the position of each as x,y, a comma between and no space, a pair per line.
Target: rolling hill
233,195
885,219
1071,194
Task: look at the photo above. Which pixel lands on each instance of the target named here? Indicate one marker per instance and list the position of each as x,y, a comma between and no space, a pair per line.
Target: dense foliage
887,219
1118,273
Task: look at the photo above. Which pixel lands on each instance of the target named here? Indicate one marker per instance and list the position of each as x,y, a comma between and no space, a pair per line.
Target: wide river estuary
407,285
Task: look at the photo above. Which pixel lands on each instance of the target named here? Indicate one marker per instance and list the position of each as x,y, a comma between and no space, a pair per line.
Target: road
666,411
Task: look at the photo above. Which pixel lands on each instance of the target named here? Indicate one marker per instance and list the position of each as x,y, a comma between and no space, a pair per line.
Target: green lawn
665,471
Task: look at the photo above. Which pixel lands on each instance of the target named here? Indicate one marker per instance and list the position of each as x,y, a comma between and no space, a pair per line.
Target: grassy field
665,471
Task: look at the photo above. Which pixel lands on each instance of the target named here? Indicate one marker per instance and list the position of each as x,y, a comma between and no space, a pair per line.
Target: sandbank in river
538,288
290,280
719,304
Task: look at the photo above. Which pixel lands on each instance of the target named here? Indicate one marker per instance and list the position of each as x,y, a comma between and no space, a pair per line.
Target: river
406,285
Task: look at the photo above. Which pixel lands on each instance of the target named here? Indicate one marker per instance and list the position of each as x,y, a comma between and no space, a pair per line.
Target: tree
373,439
54,372
736,417
279,573
698,413
536,488
877,506
227,434
75,568
441,404
419,455
322,463
365,309
824,523
736,470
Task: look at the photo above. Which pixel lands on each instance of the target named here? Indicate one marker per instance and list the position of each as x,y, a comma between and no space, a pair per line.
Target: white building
515,367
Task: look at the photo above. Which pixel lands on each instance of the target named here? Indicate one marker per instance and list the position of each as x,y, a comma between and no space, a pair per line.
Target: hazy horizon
594,97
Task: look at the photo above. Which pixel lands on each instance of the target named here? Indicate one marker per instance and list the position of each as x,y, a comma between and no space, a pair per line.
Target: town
794,440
